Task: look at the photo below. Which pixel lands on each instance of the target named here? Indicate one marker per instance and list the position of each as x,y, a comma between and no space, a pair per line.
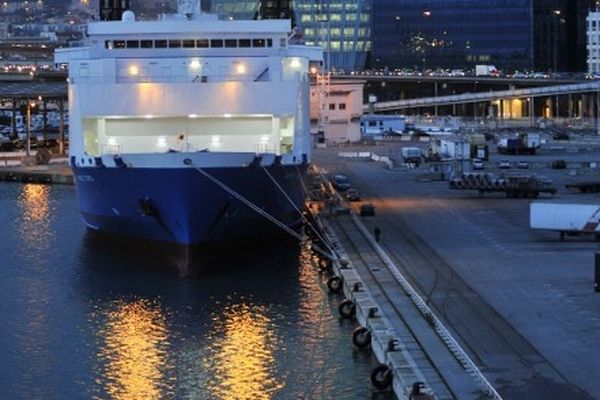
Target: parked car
367,210
523,165
341,182
559,164
477,165
352,195
504,164
560,136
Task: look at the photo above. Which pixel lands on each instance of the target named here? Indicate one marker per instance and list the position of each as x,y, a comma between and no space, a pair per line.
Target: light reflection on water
34,220
33,288
81,318
134,341
241,356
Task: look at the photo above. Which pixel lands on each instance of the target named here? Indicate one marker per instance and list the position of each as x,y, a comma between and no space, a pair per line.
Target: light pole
426,14
557,13
28,144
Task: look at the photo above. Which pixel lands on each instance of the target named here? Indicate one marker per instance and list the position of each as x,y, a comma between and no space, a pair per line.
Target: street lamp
30,105
557,13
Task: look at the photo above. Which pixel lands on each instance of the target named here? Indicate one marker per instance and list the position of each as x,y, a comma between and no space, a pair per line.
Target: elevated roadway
458,79
547,91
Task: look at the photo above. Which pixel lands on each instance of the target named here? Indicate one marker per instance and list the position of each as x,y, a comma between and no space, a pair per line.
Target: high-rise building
546,35
235,9
593,43
111,10
560,34
341,27
274,9
452,33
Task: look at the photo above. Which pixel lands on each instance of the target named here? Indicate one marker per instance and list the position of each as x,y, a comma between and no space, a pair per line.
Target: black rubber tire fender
347,309
361,337
334,284
381,377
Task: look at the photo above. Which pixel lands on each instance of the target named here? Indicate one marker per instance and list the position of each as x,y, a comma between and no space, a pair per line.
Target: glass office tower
341,27
560,34
429,34
235,9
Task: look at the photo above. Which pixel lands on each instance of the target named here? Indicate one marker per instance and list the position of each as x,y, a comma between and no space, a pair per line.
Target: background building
593,43
341,27
546,35
452,33
560,34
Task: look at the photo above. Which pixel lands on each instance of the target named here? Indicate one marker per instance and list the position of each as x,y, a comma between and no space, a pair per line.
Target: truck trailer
565,218
525,143
486,70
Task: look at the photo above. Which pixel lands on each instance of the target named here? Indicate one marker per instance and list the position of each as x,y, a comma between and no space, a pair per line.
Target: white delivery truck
566,219
486,70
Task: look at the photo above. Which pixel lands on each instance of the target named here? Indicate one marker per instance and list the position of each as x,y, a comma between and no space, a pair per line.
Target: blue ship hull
182,206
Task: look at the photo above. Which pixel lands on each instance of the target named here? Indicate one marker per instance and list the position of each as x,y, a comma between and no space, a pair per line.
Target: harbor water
81,317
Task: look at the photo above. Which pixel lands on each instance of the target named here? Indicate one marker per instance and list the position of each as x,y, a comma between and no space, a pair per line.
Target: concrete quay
519,302
55,173
404,334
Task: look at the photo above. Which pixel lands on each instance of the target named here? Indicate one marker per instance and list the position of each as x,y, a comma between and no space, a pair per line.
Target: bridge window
191,43
332,106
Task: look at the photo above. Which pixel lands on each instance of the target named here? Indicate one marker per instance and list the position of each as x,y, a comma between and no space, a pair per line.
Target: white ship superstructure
149,98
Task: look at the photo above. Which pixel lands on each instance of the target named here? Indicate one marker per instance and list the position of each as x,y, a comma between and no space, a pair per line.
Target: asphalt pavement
522,302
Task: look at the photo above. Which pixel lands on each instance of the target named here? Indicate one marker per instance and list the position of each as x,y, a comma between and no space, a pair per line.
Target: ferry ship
189,129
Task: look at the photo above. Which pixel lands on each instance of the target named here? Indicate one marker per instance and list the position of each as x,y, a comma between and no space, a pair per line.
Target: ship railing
112,149
110,80
264,148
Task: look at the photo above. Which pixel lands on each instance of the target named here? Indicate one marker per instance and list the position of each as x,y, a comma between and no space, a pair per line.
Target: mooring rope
331,255
306,221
